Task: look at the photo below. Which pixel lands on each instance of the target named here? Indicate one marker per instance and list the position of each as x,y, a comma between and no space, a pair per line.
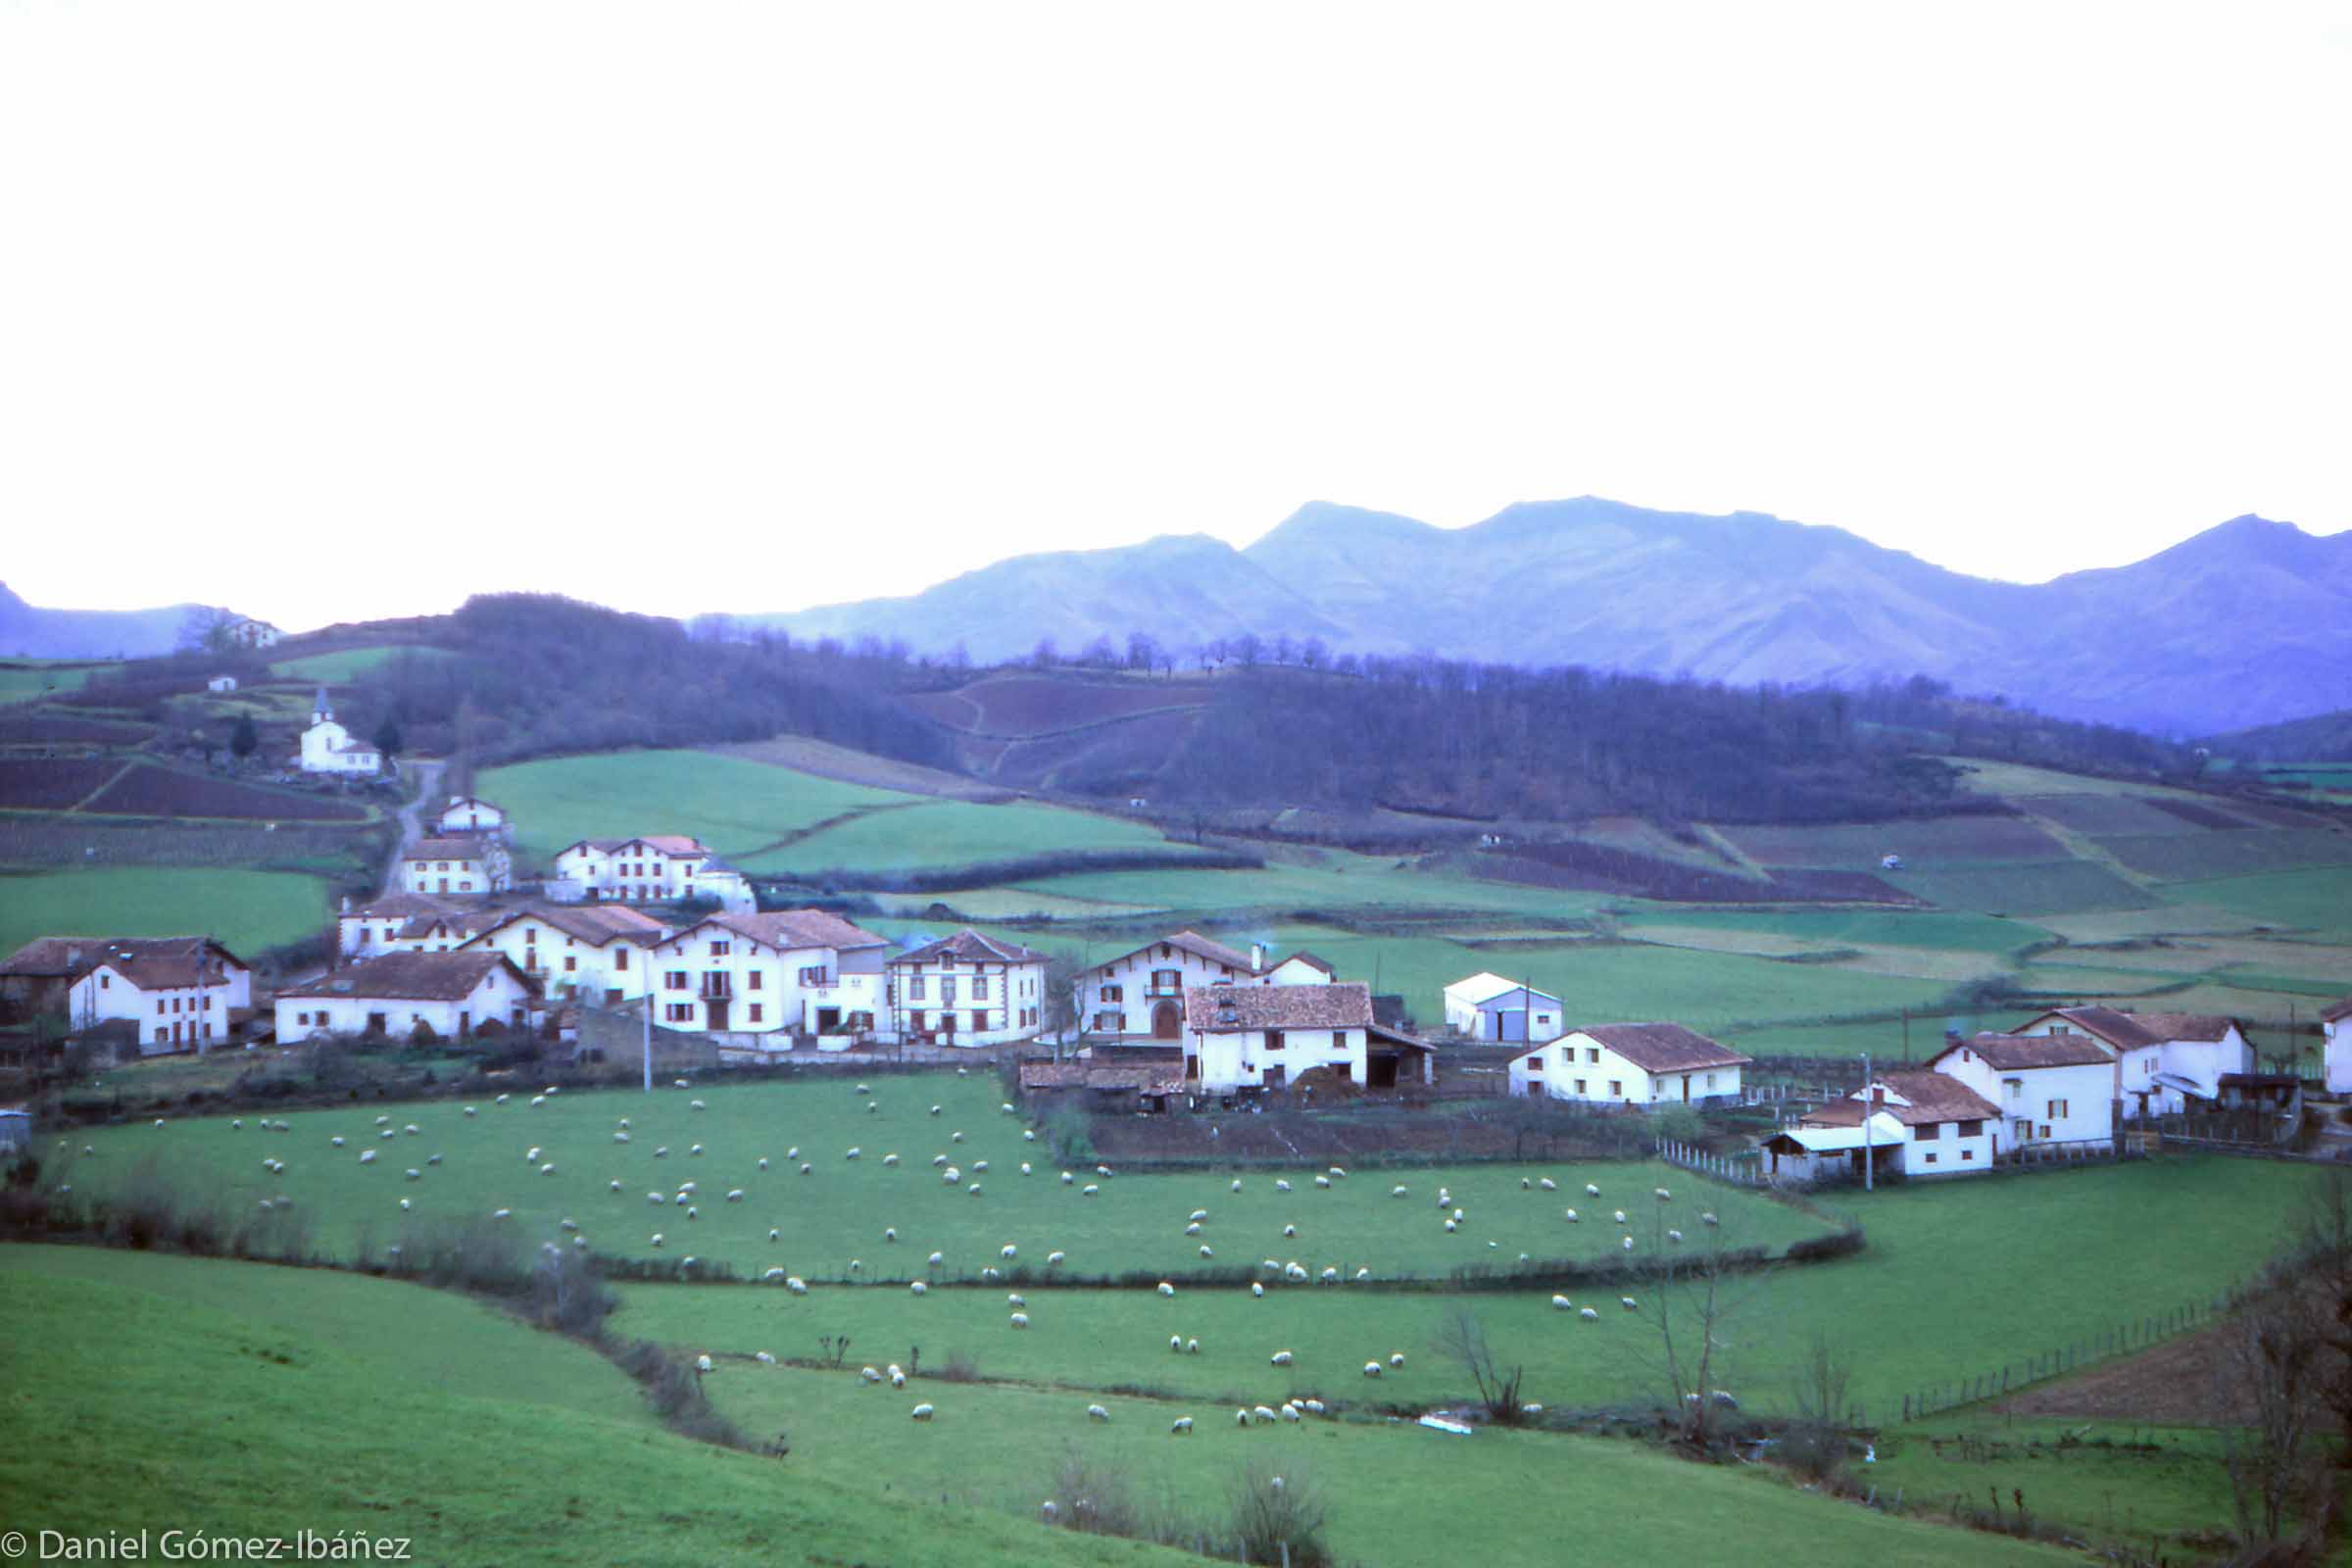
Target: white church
327,747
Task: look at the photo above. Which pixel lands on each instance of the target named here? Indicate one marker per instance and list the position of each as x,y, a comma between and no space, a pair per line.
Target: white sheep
1618,1217
702,1363
734,1195
870,1374
661,1153
1102,1170
854,1152
1400,1190
1330,1275
1165,1289
502,1213
403,1205
1315,1408
974,1189
1569,1214
1290,1230
694,1151
763,1160
620,1138
380,1121
1020,1320
538,1100
1067,1178
1591,1191
655,1198
1257,1290
954,1137
1663,1195
861,1089
1240,1418
806,1168
1237,1184
1371,1369
1627,1242
1024,1167
949,1177
413,1174
1452,1226
614,1186
695,1105
1561,1304
236,1124
531,1155
1194,1229
1192,1347
548,1169
1322,1181
336,1140
921,1413
764,1358
1363,1274
1207,1251
1045,1511
1627,1303
934,1110
657,1238
367,1156
890,1233
1548,1185
887,1160
435,1159
1094,1412
774,1276
917,1287
1090,1190
1397,1360
468,1110
1009,1252
1260,1412
796,1285
1016,1298
1053,1259
1282,1186
1290,1412
794,1152
1028,1137
897,1375
1295,1272
1279,1358
1181,1426
1674,1236
1587,1314
1709,1218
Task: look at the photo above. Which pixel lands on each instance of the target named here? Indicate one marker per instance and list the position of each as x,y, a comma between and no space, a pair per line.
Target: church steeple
322,711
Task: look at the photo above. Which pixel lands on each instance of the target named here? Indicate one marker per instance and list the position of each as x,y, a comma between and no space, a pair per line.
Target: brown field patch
151,791
33,785
69,729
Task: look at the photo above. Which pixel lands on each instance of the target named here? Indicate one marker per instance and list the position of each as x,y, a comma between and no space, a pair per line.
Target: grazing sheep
368,1156
1290,1412
870,1374
1024,1167
1322,1181
1525,1184
936,1258
1548,1185
502,1213
887,1160
1176,1344
1330,1275
1591,1190
764,1358
1020,1320
655,1198
1102,1170
794,1152
1627,1303
682,1199
625,1121
774,1276
763,1161
1181,1426
934,1111
1194,1229
897,1375
702,1363
336,1142
1014,1298
854,1152
1561,1304
236,1124
1618,1217
611,1186
1053,1259
1627,1242
939,1160
990,1273
538,1100
974,1189
806,1168
1314,1408
1046,1509
890,1233
531,1155
1007,1251
435,1159
1237,1184
1371,1369
656,1238
1240,1418
620,1138
1569,1214
1067,1178
1295,1272
796,1285
380,1121
1674,1236
1165,1289
661,1153
917,1287
1663,1195
921,1413
1397,1361
1279,1358
1094,1412
468,1110
1257,1290
414,1174
403,1205
1027,1136
857,1265
1282,1186
1399,1191
1290,1230
1192,1347
954,1137
1587,1314
1452,1226
1260,1412
1709,1218
548,1169
695,1105
734,1195
1207,1251
1090,1190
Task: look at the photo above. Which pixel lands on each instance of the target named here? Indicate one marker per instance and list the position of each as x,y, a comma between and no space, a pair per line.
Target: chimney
1258,957
346,903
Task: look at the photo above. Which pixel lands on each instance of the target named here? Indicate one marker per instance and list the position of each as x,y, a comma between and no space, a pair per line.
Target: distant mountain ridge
27,631
2249,622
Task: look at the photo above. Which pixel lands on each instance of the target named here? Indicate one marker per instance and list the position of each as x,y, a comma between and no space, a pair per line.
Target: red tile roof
1932,1097
1223,1009
2023,1053
152,963
787,929
1659,1047
410,977
2336,1012
1194,942
971,947
2131,1031
593,923
447,847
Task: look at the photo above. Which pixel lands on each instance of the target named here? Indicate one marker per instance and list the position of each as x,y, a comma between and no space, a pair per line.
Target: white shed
1489,1006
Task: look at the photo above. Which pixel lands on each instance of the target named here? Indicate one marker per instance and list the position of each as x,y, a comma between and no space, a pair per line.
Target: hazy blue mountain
2249,622
32,632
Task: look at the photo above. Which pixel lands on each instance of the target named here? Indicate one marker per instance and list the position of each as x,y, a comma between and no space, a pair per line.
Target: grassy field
837,1215
955,833
2109,1480
247,911
2053,887
350,662
2314,901
730,803
24,679
175,1393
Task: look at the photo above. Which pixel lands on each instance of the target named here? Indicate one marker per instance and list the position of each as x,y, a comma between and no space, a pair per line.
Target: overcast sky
327,311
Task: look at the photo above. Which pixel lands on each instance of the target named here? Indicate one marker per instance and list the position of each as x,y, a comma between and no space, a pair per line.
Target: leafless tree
1462,1339
2271,1367
1818,1392
205,629
1696,1290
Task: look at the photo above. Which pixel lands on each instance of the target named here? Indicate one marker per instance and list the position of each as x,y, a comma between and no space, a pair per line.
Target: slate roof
1224,1009
410,977
971,947
152,963
2023,1053
1657,1047
2131,1031
1934,1097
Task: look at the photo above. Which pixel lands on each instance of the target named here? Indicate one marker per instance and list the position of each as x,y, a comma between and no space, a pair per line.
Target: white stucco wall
1239,1059
2025,1097
322,752
1577,1067
563,963
1014,1005
1133,976
497,997
471,816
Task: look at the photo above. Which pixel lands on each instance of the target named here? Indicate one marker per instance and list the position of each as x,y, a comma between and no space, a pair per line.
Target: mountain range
27,631
2249,622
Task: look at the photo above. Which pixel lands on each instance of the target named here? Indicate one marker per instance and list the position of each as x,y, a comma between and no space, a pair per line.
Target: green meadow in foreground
182,1394
835,1221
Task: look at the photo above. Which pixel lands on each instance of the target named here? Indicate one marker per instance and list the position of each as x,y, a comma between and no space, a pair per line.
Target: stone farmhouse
446,996
963,990
173,992
465,864
2165,1062
1640,1065
328,747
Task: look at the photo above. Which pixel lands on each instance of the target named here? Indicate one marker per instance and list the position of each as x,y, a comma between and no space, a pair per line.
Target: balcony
717,988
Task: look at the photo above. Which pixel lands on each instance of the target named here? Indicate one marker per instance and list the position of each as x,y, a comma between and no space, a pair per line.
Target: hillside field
248,911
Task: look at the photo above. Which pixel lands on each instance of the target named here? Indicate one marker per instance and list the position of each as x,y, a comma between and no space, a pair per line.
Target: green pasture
1333,881
832,1222
1949,931
26,679
348,663
732,804
955,833
1006,1445
2110,1481
2315,901
247,911
2080,1237
237,1399
2054,887
1927,841
2249,852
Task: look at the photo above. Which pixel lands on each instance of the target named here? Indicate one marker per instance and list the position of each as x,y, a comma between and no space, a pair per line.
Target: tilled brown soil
2173,1383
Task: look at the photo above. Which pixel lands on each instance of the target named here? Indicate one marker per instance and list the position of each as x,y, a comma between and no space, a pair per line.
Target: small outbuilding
1489,1006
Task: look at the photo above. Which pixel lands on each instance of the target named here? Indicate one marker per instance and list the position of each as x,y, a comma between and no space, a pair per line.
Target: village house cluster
448,955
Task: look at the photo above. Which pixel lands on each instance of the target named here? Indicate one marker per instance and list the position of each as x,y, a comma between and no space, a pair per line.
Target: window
1926,1132
757,1012
105,982
914,989
1710,1080
1967,1155
678,1012
571,964
755,980
1534,1064
947,988
979,988
1273,1040
158,1006
2057,1112
2046,1129
2013,1088
1580,1086
918,1017
1113,993
674,980
816,975
1930,1159
1592,1055
1616,1089
1972,1129
718,950
620,959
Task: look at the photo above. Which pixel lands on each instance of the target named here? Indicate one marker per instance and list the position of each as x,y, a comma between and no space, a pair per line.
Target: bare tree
206,629
1697,1289
2270,1367
1817,1390
1462,1339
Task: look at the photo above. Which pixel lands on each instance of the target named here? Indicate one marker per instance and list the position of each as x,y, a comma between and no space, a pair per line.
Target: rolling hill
28,631
2249,622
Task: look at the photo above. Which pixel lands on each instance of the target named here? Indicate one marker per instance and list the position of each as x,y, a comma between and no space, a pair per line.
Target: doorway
1167,1021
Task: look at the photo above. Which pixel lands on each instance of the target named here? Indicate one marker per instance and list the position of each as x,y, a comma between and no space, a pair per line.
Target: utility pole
1869,1175
648,1020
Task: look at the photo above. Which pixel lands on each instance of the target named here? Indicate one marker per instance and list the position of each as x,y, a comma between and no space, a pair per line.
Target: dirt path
797,835
409,817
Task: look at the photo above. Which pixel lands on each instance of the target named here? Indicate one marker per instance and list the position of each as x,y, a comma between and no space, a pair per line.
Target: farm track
2084,848
112,779
839,819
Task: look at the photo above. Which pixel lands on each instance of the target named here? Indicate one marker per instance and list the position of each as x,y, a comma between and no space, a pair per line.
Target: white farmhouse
466,814
1638,1064
221,683
247,632
177,993
376,927
600,953
656,869
2050,1089
1488,1007
2162,1060
1244,1035
964,990
327,747
763,973
2335,1026
448,996
1943,1127
1300,968
1142,993
466,865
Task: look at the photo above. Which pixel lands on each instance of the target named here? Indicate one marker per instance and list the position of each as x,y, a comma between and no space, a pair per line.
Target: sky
328,311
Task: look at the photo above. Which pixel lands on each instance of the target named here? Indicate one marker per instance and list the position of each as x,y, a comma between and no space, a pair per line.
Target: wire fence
1717,1167
2126,1337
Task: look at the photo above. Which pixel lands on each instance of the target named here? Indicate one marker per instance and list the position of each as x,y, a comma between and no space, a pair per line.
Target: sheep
385,1133
936,1260
1724,1401
614,1185
1330,1275
1282,1186
403,1205
774,1276
854,1152
1279,1358
1165,1289
538,1100
1371,1369
1240,1418
1290,1412
656,1238
806,1168
1452,1226
763,1160
1067,1178
1561,1304
1525,1184
1045,1511
1259,1412
655,1198
1674,1236
661,1153
702,1363
620,1138
1396,1360
1020,1320
1627,1243
531,1155
1457,1216
1090,1190
764,1358
887,1160
1295,1272
1102,1170
1237,1184
380,1121
502,1213
695,1105
1548,1185
1176,1344
1569,1214
1290,1230
861,1089
867,1374
974,1189
990,1274
236,1124
1663,1195
734,1195
1587,1314
1028,1136
949,1177
1628,1302
1618,1217
413,1174
435,1159
934,1111
1313,1406
921,1413
1194,1229
548,1169
468,1110
1591,1190
939,1160
1192,1347
1363,1274
1016,1298
367,1156
890,1233
625,1121
1708,1218
857,1265
1257,1290
917,1287
954,1137
1094,1412
897,1375
1322,1181
1181,1426
682,1199
1054,1259
796,1285
794,1152
1399,1191
336,1140
1024,1167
